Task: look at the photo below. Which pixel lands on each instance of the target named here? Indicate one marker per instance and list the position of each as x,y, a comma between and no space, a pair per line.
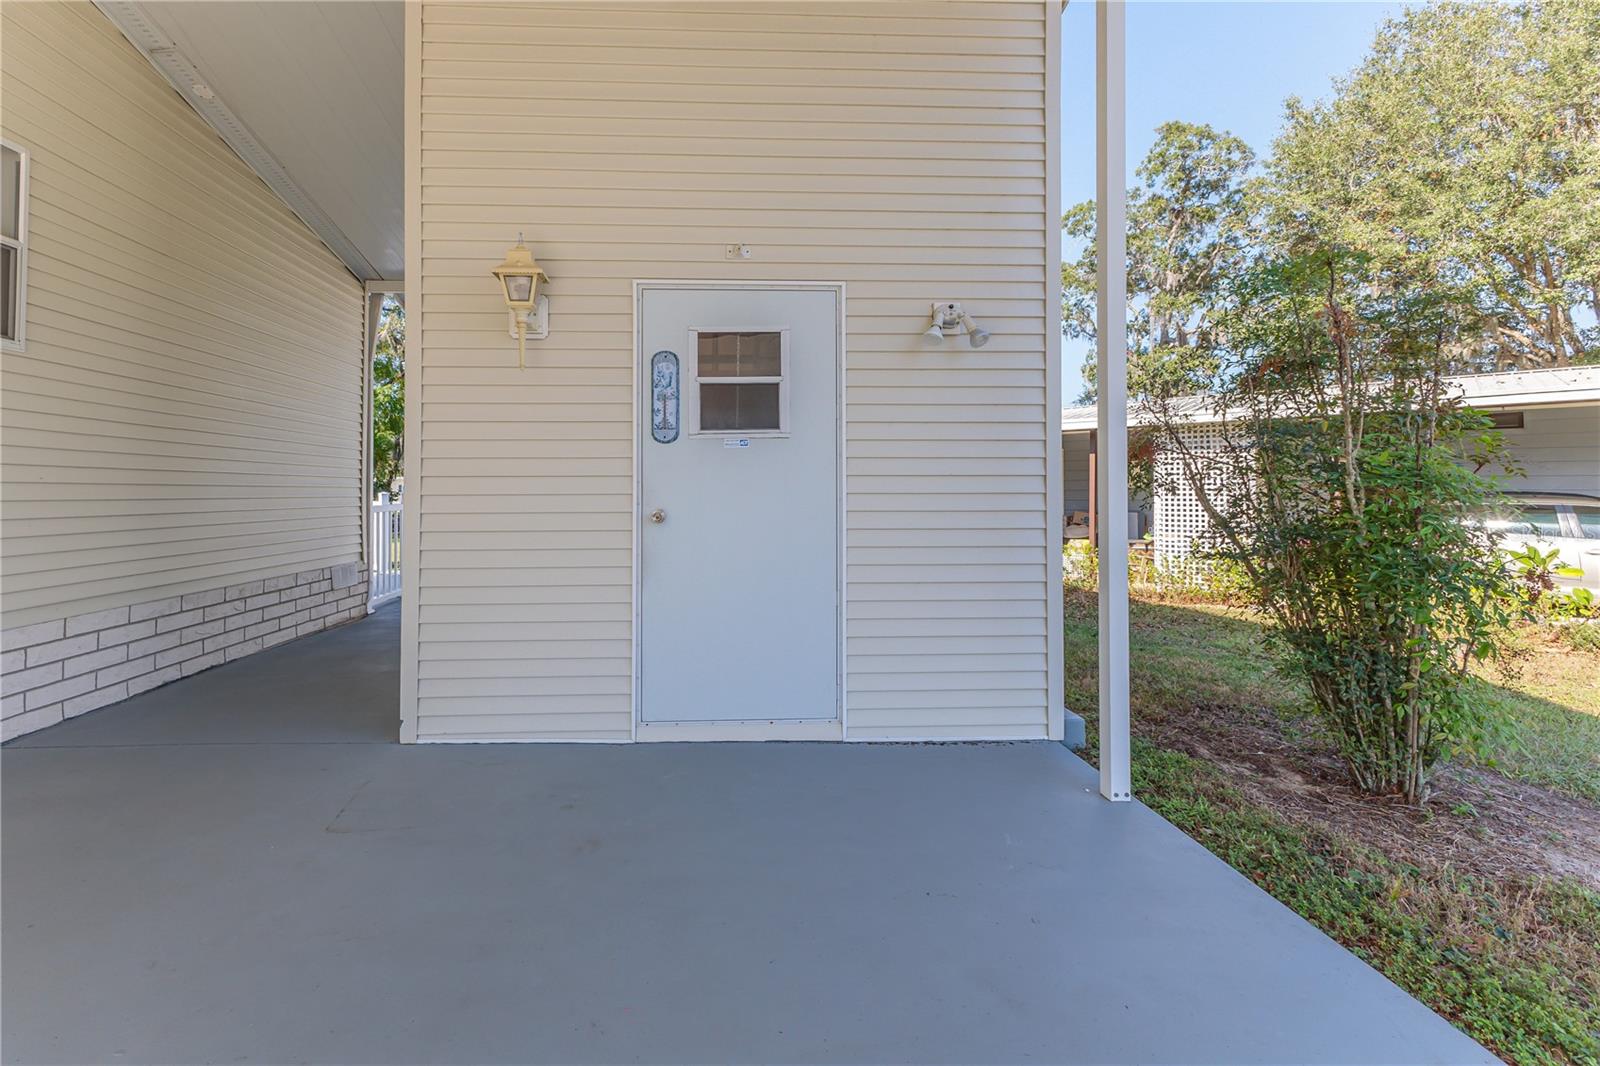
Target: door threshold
831,729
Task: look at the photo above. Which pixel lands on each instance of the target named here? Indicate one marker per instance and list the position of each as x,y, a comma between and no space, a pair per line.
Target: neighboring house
1078,470
833,529
1550,419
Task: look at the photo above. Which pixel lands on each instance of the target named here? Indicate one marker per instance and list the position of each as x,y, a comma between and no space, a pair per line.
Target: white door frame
778,730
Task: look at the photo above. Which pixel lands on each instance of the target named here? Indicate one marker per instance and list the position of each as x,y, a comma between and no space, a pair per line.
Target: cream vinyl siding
187,411
899,148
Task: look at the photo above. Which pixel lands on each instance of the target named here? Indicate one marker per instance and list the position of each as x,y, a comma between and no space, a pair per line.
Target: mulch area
1476,821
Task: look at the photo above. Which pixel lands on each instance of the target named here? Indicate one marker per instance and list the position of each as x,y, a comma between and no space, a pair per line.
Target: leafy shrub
1573,614
1537,570
1565,605
1337,488
1217,582
1582,636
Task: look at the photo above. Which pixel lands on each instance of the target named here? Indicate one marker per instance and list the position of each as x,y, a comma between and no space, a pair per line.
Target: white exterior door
739,502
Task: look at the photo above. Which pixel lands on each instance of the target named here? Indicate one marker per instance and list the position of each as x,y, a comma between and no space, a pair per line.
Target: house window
13,242
741,381
1506,419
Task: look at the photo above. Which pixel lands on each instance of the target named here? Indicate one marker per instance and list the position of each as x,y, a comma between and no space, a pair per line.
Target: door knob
658,516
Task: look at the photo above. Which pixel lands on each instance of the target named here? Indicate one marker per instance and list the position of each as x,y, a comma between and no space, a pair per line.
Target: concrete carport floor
245,867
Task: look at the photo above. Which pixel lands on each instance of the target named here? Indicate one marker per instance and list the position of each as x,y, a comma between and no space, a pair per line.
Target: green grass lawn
1189,655
1553,705
1513,960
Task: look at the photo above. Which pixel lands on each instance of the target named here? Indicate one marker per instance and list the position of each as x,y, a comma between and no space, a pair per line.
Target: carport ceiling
310,93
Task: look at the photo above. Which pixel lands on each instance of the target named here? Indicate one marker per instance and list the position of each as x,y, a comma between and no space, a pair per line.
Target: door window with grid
740,377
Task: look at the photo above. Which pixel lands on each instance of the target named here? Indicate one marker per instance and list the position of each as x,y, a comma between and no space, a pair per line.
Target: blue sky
1228,64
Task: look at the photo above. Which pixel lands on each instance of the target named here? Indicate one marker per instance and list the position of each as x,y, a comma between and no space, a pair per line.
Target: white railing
385,550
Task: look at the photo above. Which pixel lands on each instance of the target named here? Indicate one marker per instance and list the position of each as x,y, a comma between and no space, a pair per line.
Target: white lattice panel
1181,525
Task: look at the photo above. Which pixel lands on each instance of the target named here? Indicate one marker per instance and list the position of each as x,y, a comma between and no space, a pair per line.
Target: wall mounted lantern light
529,309
948,317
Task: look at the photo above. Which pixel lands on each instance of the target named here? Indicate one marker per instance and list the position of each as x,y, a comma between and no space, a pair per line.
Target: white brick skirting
55,670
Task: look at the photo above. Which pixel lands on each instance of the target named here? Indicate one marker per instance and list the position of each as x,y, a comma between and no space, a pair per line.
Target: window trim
782,381
20,243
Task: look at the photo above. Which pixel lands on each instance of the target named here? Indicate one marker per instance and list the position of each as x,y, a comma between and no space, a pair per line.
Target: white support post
374,312
416,349
1054,479
1111,377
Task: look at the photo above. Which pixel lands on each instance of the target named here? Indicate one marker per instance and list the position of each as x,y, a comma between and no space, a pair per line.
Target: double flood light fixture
949,318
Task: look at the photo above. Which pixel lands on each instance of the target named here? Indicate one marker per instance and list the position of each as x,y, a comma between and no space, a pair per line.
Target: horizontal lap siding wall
897,147
187,412
1075,471
1557,450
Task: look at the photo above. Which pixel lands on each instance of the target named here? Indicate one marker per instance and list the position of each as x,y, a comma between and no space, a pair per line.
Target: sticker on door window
664,397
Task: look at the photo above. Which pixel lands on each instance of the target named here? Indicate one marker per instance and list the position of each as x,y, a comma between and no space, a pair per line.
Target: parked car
1565,522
